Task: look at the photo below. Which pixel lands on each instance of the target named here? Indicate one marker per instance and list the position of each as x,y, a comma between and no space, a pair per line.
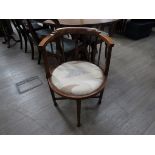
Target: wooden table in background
99,23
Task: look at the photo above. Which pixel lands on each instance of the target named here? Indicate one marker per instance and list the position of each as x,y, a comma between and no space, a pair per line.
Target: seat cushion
77,77
43,32
36,26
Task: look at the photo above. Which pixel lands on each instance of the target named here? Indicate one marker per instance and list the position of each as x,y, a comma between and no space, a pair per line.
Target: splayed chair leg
39,57
100,98
53,97
78,112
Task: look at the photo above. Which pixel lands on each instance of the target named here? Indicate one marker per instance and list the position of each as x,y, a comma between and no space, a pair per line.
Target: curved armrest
45,41
107,39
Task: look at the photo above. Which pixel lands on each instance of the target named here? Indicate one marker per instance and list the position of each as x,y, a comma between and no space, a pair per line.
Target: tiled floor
128,105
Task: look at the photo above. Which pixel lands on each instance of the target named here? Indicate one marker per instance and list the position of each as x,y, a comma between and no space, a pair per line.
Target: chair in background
84,75
37,33
8,32
21,24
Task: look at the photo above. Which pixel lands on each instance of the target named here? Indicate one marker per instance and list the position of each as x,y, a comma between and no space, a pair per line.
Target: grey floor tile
150,130
25,126
127,106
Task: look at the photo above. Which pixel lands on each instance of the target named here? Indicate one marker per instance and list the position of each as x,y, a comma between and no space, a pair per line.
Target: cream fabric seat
77,77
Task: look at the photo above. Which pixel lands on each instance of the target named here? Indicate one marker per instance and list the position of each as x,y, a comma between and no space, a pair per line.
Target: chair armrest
107,39
45,40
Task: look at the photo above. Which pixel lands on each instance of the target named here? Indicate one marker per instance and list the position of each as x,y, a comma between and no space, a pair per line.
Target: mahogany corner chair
84,74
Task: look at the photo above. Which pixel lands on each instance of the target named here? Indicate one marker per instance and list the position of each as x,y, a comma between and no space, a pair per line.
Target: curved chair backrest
33,30
19,24
88,47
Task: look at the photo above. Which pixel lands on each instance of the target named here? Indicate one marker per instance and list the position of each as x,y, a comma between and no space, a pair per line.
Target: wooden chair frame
25,33
7,36
35,37
77,31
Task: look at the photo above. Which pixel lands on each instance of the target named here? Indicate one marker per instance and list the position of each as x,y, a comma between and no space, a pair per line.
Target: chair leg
32,49
31,44
39,58
21,42
53,97
54,100
5,40
20,39
100,98
106,47
25,39
78,112
8,42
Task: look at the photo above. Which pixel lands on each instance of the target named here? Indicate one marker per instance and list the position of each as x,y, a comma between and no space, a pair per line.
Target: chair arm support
107,39
45,41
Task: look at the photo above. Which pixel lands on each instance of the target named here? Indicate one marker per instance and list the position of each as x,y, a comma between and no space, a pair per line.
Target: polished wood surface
75,22
85,21
98,23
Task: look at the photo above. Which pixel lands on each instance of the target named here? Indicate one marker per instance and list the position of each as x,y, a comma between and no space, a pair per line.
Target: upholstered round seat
77,77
